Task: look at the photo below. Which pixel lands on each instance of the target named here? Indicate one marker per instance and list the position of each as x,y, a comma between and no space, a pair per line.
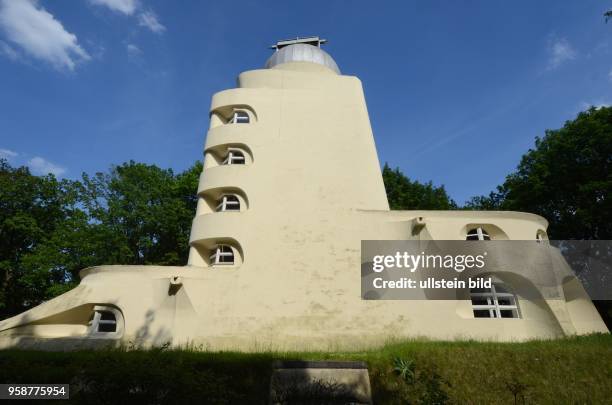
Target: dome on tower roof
302,53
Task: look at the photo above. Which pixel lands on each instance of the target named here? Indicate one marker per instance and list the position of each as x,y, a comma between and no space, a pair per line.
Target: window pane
479,301
107,316
477,234
482,313
505,301
107,327
499,299
241,117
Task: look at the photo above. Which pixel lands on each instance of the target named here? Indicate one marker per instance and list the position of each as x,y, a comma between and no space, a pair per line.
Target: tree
404,194
566,178
32,209
50,229
491,202
144,212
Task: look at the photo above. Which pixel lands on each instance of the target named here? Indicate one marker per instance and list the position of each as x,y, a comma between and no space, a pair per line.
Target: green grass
566,371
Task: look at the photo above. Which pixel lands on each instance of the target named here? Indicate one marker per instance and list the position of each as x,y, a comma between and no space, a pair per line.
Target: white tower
289,152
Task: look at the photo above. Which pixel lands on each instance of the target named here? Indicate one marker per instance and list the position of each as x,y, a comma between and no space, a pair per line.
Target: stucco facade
293,147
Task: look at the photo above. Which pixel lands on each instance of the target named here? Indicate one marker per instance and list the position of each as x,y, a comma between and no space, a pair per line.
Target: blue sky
456,90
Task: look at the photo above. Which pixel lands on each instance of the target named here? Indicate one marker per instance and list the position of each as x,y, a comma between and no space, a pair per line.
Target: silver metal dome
302,53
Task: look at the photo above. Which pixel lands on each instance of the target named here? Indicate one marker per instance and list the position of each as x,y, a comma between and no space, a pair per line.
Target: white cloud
40,166
126,7
146,18
39,34
149,19
133,50
8,51
585,105
7,154
610,75
560,52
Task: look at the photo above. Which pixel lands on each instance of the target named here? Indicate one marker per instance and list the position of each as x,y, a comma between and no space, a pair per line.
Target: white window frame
493,306
240,117
480,232
235,157
222,251
229,202
96,321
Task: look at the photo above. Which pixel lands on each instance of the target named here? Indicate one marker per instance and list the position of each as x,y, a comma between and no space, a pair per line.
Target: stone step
320,382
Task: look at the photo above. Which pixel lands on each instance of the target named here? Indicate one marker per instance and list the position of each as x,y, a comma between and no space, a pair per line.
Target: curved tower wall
312,156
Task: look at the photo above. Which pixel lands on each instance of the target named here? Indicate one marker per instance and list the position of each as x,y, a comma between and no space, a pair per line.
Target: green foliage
143,377
143,211
491,202
51,229
570,370
32,209
566,178
573,370
423,386
404,194
404,368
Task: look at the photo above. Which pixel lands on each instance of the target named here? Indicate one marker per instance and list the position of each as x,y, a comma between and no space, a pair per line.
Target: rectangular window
240,117
234,157
223,254
228,203
103,320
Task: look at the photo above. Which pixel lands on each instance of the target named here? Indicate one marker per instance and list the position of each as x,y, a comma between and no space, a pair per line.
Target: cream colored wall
312,153
314,191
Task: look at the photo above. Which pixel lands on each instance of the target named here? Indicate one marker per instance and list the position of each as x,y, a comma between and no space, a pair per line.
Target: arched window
495,302
105,321
228,202
240,117
477,234
222,254
234,157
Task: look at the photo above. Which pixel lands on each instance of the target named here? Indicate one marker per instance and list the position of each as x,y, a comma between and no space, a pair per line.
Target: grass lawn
566,371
